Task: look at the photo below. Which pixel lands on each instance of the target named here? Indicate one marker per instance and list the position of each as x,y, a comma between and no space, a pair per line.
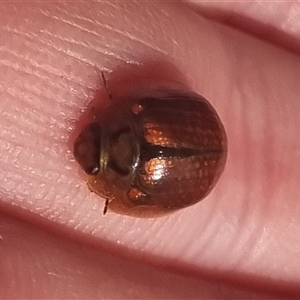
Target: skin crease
240,242
277,23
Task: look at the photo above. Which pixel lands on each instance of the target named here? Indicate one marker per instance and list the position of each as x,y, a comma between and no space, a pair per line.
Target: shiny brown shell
153,152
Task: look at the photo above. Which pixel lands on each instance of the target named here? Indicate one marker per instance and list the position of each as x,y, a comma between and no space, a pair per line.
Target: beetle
154,151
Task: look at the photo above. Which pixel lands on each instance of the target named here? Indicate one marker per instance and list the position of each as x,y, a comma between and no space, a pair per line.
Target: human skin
242,241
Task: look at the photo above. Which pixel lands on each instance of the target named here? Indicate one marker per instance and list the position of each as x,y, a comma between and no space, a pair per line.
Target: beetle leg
105,206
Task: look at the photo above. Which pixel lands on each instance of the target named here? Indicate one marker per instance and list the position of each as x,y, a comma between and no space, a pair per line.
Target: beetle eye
121,153
87,149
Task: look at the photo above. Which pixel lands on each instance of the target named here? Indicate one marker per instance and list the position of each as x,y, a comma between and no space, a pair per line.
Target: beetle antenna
105,206
105,85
